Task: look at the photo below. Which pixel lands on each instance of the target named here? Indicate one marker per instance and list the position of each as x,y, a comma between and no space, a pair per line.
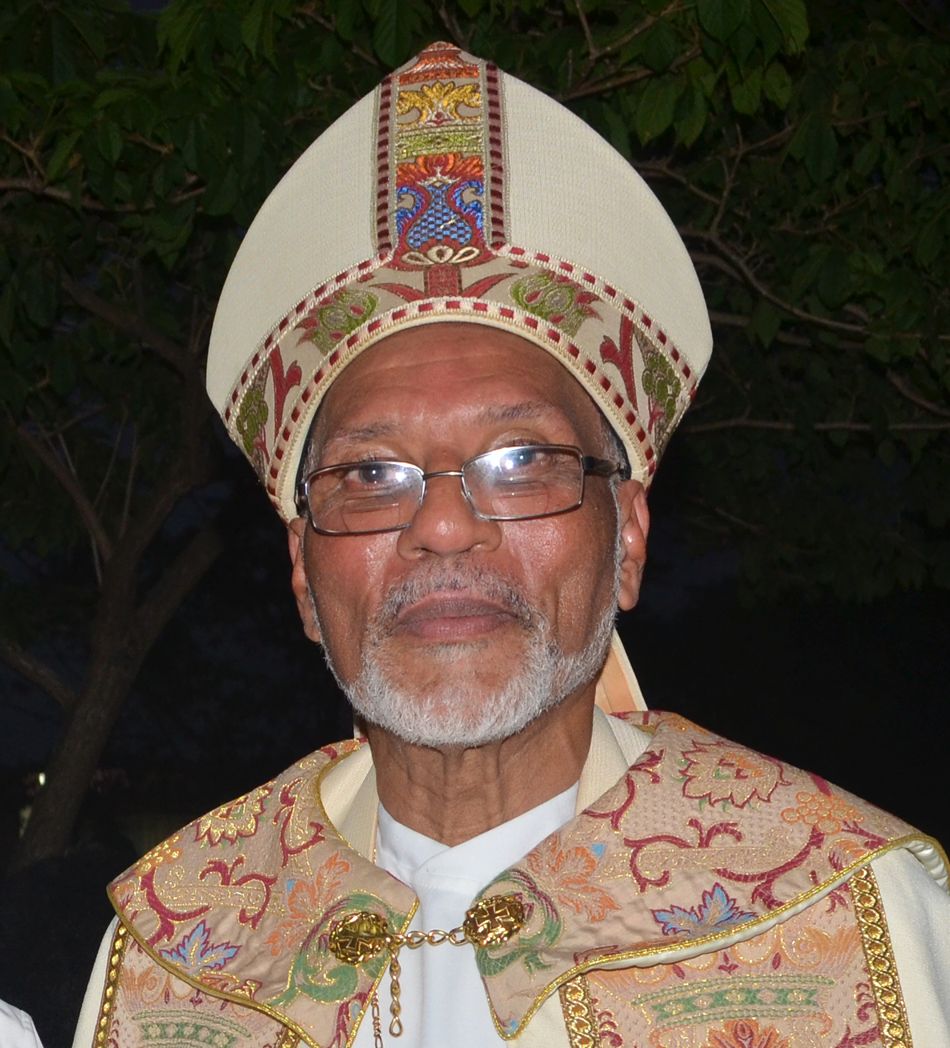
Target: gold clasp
361,936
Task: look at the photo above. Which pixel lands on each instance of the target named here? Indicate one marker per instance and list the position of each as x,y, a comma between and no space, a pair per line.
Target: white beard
447,717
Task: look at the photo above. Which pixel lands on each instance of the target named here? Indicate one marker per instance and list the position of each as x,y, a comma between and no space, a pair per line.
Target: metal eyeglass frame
590,466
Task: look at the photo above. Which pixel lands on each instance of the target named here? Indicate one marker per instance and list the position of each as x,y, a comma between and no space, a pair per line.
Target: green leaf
791,17
866,157
834,280
747,92
392,34
252,23
929,245
879,348
777,85
619,131
61,154
222,195
764,323
109,140
659,47
690,117
655,108
472,7
721,18
821,150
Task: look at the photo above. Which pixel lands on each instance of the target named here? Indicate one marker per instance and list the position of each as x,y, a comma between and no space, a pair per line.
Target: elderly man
453,344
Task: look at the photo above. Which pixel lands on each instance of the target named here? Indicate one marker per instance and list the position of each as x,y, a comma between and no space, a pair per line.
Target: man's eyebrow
356,434
524,410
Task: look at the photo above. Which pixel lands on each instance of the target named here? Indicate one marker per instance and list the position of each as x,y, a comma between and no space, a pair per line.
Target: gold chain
359,937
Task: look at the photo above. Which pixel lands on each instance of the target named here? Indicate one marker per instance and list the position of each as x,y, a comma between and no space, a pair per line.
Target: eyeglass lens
507,484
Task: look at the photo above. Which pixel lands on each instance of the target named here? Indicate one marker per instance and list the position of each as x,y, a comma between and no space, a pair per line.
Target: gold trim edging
879,955
108,993
578,1013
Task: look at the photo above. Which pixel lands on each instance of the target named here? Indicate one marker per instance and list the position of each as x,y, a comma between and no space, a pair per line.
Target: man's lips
445,616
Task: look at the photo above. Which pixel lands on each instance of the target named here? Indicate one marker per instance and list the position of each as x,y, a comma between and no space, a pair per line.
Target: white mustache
477,582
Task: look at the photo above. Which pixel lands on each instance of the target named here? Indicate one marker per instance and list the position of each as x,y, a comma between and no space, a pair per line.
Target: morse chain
361,936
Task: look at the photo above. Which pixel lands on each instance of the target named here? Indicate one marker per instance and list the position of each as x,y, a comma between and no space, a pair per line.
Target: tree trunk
73,764
120,641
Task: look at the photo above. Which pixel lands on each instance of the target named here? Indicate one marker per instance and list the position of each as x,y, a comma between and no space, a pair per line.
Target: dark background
233,693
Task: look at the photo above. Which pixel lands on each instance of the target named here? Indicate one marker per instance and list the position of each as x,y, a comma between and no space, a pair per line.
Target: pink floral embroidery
720,772
566,875
823,810
746,1033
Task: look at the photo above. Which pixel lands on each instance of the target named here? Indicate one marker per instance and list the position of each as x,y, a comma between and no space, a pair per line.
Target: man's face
453,612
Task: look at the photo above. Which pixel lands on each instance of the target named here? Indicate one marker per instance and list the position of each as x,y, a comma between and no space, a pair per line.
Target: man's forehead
487,415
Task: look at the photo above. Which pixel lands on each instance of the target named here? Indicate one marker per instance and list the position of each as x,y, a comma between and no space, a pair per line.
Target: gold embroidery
578,1013
287,1039
891,1010
108,994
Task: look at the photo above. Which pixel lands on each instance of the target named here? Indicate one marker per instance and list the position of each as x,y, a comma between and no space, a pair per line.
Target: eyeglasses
519,483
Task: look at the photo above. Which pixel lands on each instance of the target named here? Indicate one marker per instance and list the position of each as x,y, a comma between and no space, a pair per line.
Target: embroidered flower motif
163,854
746,1033
332,320
439,103
251,418
308,903
196,955
715,913
662,386
823,810
566,874
237,819
720,772
555,299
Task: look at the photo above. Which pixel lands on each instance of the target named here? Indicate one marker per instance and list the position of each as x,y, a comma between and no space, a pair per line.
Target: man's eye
517,460
367,474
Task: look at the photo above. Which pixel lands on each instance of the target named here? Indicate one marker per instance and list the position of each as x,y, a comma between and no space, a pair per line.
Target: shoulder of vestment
702,842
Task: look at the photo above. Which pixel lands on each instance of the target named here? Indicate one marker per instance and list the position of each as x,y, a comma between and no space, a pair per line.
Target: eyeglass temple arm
604,467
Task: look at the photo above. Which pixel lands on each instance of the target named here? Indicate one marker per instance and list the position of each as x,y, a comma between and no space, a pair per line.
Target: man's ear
634,528
296,532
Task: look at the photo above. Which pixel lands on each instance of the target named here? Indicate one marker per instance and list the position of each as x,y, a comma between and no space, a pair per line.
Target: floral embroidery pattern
332,320
566,876
308,901
196,955
251,418
714,914
237,819
746,1033
823,810
439,103
555,299
723,773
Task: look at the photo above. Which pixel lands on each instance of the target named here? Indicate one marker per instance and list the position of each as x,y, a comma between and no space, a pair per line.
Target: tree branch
38,672
742,267
608,84
177,581
165,347
914,397
73,488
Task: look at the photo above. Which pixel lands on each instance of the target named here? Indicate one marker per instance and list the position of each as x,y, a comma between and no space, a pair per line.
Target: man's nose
445,523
